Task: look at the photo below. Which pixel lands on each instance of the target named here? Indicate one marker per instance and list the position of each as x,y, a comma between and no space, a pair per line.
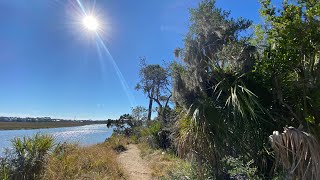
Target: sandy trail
132,163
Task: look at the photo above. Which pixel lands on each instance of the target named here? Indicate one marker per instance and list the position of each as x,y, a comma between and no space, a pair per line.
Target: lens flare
91,23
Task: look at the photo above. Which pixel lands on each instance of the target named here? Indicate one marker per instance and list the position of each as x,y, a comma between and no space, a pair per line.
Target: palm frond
297,152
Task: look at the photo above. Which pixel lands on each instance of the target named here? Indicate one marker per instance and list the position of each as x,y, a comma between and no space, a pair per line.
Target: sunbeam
92,24
119,73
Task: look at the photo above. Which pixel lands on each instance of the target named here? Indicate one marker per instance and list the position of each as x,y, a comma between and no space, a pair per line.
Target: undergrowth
71,161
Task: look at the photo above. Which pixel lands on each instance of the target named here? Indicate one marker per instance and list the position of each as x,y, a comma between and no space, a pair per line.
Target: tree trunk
160,110
164,113
279,96
160,113
150,109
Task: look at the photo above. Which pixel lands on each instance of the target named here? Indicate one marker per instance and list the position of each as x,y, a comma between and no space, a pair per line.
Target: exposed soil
135,167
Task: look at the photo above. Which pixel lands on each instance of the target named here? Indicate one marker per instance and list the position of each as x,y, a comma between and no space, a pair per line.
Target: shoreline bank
41,125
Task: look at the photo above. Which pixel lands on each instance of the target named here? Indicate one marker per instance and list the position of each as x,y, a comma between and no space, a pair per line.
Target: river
83,135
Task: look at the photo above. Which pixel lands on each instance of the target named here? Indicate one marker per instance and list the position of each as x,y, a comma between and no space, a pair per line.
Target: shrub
153,129
237,169
188,170
150,134
26,159
4,169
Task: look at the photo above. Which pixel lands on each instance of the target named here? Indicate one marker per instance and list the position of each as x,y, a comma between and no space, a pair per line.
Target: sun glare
90,23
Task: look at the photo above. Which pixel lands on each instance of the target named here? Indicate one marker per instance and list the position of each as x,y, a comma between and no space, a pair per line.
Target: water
83,135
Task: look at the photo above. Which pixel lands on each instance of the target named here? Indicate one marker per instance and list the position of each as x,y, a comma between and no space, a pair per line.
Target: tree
125,117
154,82
220,114
290,69
139,113
290,64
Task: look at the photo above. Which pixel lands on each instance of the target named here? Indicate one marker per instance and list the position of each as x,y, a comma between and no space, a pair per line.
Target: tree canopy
234,93
233,89
154,82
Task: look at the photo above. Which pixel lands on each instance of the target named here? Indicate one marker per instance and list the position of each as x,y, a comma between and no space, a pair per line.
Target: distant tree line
45,119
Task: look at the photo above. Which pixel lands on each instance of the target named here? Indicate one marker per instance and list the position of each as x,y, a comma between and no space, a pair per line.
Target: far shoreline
43,125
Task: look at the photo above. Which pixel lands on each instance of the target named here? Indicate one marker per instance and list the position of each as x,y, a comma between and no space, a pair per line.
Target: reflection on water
84,135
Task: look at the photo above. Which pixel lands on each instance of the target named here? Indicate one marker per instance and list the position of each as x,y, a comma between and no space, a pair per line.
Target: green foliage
152,130
154,82
234,90
150,134
221,114
4,170
239,170
27,158
125,117
139,113
188,170
310,119
289,65
134,139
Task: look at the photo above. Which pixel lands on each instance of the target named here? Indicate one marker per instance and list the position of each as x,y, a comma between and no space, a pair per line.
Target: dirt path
134,165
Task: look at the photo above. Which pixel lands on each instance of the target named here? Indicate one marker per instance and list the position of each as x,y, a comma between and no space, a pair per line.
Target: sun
90,23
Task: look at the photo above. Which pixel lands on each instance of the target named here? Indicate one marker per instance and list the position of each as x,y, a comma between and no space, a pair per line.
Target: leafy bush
237,169
4,169
188,170
153,129
26,159
150,134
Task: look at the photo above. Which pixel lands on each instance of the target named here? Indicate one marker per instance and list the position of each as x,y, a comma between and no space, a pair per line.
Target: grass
71,161
38,125
166,165
118,143
75,162
38,157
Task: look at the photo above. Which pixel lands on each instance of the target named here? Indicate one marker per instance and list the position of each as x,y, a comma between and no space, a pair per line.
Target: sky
51,66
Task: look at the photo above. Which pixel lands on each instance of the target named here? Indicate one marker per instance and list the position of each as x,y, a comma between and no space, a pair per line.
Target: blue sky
50,66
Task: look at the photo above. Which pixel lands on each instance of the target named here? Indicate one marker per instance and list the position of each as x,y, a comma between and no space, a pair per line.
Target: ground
132,163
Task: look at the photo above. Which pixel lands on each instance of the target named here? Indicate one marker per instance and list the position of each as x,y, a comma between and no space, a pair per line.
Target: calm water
84,135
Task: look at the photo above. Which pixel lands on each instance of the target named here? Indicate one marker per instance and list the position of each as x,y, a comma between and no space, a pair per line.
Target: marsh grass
37,157
70,161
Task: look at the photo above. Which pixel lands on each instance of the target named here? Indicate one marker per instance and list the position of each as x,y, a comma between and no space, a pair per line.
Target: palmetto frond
297,152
